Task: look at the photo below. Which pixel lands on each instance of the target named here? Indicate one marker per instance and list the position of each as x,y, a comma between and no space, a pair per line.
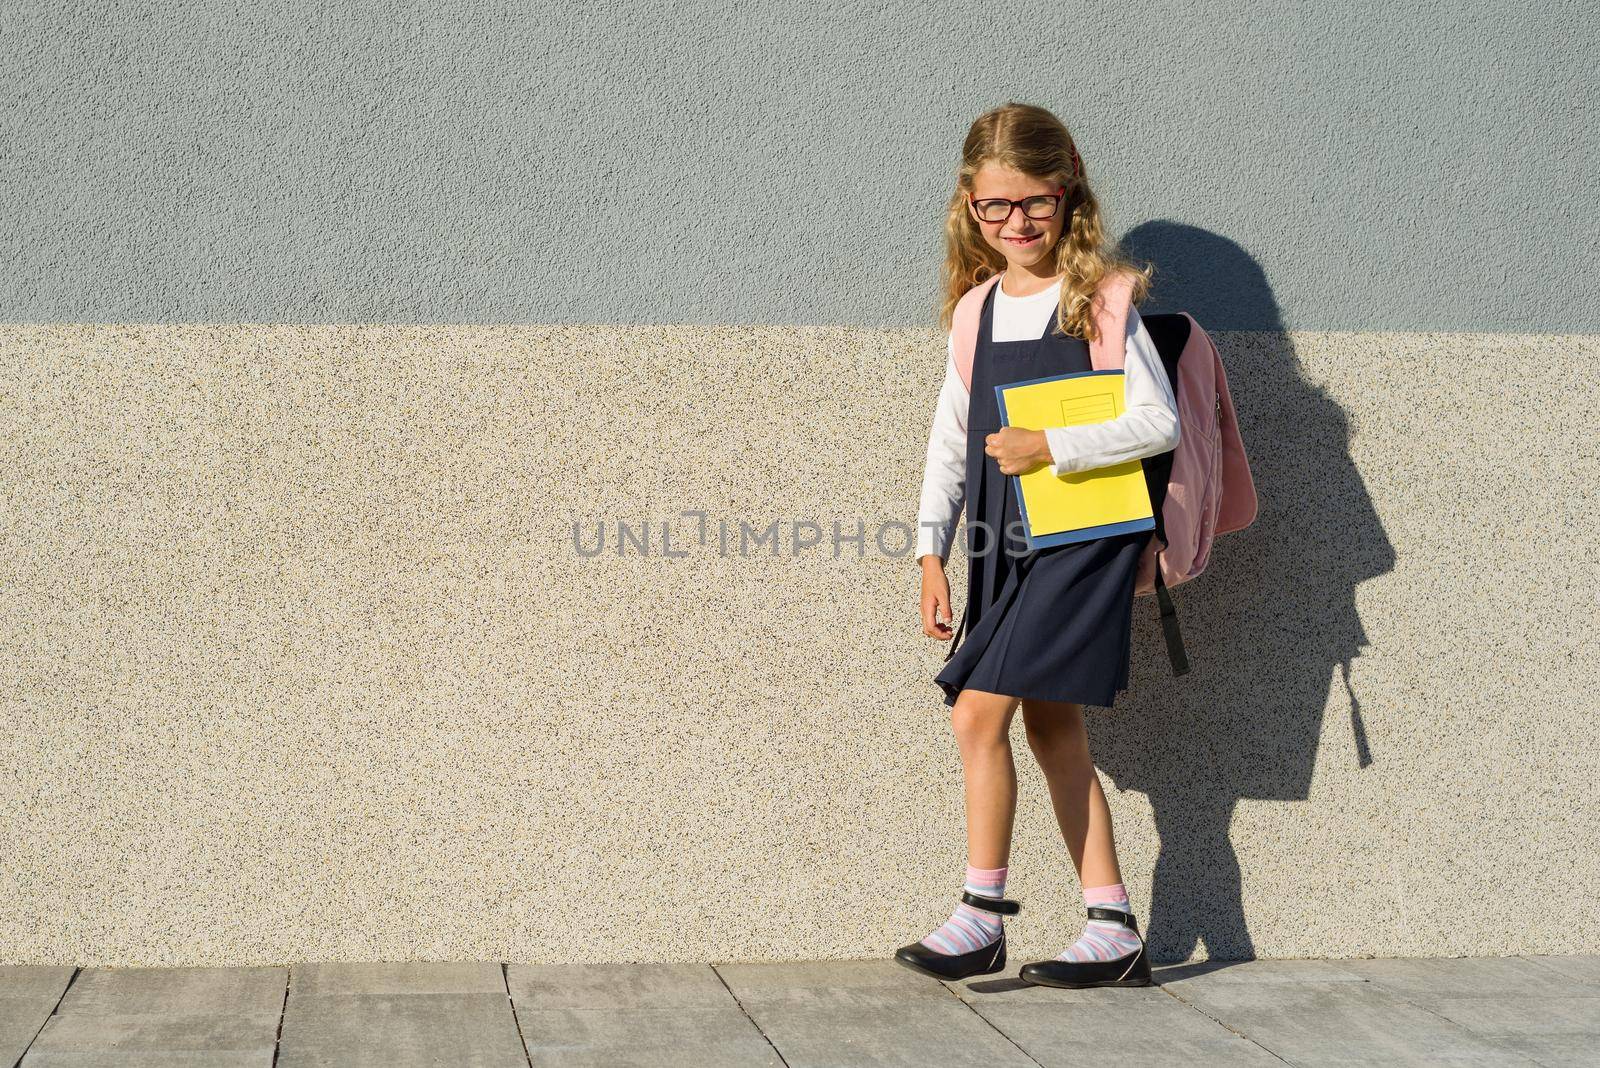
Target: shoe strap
1100,912
991,904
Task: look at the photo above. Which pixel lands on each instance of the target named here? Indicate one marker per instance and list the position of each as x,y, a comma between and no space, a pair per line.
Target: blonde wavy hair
1033,141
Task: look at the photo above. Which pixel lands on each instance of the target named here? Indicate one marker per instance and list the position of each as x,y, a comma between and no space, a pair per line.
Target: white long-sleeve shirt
1147,427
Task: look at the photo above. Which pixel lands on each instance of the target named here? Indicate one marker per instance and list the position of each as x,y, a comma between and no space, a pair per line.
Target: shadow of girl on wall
1268,623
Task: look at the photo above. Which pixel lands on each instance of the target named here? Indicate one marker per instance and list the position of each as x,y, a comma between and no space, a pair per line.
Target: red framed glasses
998,209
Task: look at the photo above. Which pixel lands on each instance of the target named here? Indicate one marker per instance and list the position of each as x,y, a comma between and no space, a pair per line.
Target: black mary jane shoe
980,961
1130,970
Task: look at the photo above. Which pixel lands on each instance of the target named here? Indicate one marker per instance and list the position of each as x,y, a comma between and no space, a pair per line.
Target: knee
975,727
1043,739
1052,734
1060,748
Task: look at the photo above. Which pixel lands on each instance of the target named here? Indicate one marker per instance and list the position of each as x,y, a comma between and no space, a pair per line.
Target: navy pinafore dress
1055,623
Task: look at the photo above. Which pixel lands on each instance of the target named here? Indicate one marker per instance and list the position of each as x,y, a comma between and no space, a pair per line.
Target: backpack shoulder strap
964,330
1111,304
1111,311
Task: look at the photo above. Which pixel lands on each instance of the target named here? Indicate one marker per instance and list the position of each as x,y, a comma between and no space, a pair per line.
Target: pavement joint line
1221,1023
974,1010
54,1009
283,1011
776,1052
505,977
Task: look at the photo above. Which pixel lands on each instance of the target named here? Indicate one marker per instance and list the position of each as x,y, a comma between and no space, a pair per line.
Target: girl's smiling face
1027,244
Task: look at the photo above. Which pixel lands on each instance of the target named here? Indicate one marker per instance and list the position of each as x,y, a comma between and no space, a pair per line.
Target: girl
1050,627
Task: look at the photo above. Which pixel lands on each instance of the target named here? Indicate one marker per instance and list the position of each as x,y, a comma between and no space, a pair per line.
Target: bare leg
1060,743
982,725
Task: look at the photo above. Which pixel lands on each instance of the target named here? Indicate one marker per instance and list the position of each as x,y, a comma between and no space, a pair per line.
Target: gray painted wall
1366,166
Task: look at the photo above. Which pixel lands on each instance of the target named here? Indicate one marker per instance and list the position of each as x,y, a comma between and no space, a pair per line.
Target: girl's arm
944,478
1148,426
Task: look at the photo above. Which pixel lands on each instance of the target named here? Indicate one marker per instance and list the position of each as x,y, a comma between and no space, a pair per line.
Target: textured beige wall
298,659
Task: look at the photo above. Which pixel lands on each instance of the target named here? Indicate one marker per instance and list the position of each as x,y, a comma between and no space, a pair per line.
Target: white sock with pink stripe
969,928
1104,939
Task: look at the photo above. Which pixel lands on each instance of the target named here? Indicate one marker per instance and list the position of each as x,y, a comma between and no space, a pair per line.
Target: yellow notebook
1057,509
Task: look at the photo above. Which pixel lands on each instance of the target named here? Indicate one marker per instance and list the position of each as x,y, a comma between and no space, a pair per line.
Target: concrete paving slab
401,1031
1530,1008
1521,1015
1555,1051
1316,1023
176,991
1009,988
20,1023
1256,971
28,995
874,1012
322,979
680,1034
911,1033
1552,1029
599,986
1486,977
161,1059
830,982
226,1017
1581,968
91,1040
619,1014
1137,1026
29,981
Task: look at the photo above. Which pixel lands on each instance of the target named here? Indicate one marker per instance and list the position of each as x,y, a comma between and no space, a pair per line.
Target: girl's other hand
936,616
1017,450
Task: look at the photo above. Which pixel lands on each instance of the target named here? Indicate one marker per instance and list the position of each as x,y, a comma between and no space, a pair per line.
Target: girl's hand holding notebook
1017,449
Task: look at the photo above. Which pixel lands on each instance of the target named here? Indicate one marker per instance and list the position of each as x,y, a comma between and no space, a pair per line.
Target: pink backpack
1209,490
